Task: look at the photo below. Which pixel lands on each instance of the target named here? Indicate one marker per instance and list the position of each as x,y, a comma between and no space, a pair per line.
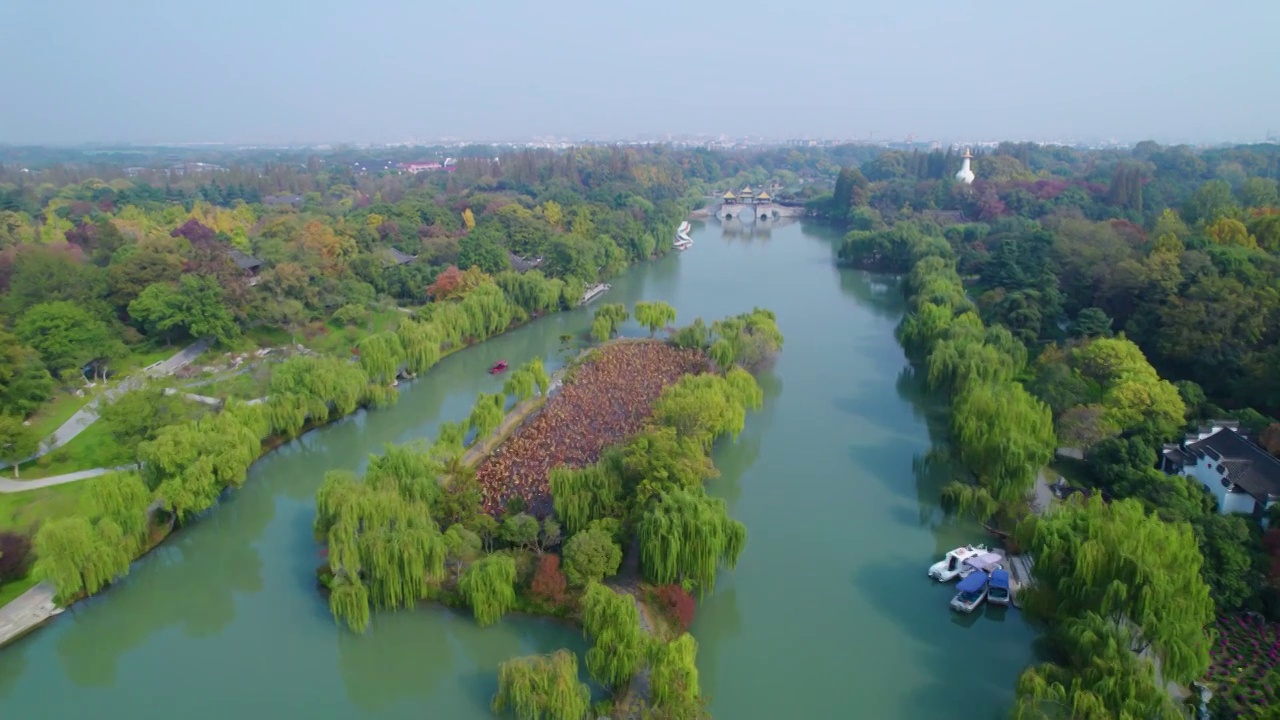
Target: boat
683,241
952,565
594,292
998,588
683,245
987,562
498,367
970,593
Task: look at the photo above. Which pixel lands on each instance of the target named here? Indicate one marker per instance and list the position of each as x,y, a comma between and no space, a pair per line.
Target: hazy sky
390,70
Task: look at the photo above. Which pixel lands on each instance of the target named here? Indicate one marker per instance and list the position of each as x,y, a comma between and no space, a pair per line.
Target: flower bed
1244,673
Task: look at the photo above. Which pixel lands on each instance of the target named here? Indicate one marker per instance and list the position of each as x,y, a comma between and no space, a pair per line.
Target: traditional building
965,175
396,257
1242,476
747,195
763,197
729,198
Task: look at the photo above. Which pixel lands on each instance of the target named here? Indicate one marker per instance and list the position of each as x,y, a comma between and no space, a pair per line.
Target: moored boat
998,588
953,565
498,367
970,593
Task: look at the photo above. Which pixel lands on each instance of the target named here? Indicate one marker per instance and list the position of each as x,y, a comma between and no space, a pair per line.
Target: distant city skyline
266,72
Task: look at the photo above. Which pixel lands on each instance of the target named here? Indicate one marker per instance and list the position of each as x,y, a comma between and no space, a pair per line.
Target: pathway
88,414
27,611
13,486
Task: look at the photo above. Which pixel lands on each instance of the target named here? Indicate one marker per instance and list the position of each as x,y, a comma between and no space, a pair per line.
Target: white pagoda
965,175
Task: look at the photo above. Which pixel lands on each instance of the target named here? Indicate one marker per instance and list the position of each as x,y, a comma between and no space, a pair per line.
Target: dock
594,292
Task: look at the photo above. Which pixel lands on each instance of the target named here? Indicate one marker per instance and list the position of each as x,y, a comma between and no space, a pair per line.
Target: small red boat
498,367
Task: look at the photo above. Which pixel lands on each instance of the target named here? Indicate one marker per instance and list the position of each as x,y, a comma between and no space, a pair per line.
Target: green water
828,615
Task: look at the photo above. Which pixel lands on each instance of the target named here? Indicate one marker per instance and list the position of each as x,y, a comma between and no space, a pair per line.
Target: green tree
123,499
381,356
521,530
609,316
487,414
673,678
1099,678
420,343
17,441
685,535
1224,542
138,416
489,587
1004,436
542,687
654,315
612,621
196,306
1091,322
1130,568
581,495
66,335
25,384
591,556
80,557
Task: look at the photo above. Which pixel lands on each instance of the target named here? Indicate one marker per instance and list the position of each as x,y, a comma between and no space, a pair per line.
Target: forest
418,525
1105,309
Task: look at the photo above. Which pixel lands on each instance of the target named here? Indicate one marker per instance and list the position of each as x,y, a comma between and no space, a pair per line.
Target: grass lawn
11,590
25,511
93,448
145,355
58,410
242,386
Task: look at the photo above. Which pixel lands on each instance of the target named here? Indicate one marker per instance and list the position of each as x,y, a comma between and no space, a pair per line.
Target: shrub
677,604
549,582
591,555
15,556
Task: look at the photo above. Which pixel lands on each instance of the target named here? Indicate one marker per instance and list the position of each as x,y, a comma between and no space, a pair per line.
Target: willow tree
411,472
1099,677
614,315
519,385
420,342
1004,436
956,364
80,557
322,380
486,415
660,457
686,534
123,499
654,315
489,587
538,372
379,541
612,621
673,677
601,330
704,407
381,356
192,463
580,495
542,687
1132,569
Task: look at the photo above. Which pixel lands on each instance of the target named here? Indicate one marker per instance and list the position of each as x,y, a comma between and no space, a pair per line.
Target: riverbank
21,620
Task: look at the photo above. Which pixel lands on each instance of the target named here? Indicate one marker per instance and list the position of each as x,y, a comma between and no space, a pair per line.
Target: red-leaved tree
549,582
677,604
446,283
15,556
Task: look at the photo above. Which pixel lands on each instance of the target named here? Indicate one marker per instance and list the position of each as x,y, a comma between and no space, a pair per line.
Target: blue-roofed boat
998,588
970,592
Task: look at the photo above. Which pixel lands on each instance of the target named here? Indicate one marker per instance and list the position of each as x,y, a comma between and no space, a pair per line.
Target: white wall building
1243,477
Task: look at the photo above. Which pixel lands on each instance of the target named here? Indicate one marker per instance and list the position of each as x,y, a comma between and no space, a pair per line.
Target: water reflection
374,671
880,293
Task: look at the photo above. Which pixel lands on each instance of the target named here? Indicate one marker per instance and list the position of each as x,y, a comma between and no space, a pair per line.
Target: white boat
683,244
953,565
594,292
683,241
971,592
998,588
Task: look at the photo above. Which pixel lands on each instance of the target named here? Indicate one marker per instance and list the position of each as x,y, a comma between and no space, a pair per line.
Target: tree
17,441
1224,542
673,678
66,335
591,556
542,687
1130,568
381,356
489,587
686,534
138,416
25,384
487,414
521,530
468,220
1004,436
608,319
79,557
612,621
654,315
548,580
15,556
1100,678
677,603
1091,322
123,499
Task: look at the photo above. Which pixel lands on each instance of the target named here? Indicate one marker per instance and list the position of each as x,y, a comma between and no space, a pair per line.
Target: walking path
27,611
14,486
88,414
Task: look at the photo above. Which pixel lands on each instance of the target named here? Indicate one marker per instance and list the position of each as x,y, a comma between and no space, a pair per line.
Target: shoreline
12,630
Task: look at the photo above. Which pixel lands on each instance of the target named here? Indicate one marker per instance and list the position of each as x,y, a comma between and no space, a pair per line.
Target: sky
310,71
